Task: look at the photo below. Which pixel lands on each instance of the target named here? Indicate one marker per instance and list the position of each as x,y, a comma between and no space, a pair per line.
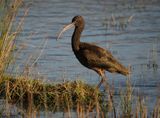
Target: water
129,29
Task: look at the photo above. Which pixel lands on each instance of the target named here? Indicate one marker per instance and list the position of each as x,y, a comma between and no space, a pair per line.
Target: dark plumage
92,56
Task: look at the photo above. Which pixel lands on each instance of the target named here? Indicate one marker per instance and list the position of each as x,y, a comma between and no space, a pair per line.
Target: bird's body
93,56
97,58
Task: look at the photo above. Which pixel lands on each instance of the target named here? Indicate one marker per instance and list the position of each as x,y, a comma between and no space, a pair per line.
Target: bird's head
77,22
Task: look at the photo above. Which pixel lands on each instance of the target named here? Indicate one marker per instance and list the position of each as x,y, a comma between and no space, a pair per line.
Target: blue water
129,29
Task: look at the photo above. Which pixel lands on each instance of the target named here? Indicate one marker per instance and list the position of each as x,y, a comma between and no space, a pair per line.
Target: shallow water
129,29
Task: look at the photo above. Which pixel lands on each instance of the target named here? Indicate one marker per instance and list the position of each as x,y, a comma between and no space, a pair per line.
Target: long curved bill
65,28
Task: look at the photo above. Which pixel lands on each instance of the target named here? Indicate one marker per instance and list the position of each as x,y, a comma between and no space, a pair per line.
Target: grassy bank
33,97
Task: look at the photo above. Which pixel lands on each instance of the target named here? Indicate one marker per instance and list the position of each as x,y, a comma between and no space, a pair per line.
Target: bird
90,55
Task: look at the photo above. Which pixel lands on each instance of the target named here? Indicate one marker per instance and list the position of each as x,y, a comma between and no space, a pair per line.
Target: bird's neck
76,39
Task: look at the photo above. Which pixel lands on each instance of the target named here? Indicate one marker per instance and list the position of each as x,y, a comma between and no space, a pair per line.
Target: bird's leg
107,88
105,82
110,93
102,75
103,79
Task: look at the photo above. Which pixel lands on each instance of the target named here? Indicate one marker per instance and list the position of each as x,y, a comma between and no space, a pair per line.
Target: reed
126,100
117,22
8,31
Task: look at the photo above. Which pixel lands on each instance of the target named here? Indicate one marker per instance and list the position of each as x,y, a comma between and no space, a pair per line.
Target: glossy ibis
92,56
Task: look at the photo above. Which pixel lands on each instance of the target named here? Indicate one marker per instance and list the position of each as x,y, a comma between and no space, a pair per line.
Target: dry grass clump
136,106
35,95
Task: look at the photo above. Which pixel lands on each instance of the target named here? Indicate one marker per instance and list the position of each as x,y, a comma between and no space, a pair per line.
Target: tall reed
8,31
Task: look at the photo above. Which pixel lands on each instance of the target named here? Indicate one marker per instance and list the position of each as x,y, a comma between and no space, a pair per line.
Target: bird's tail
125,71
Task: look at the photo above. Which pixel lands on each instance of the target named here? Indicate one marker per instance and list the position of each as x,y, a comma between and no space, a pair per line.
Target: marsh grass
35,95
8,31
32,97
126,100
117,22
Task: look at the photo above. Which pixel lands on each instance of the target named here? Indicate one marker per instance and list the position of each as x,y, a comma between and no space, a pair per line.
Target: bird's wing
96,55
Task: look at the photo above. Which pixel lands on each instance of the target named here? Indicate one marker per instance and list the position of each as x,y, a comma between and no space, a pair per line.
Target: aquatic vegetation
117,23
127,99
33,95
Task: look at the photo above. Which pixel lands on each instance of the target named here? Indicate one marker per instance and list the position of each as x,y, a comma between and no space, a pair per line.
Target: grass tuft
54,96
